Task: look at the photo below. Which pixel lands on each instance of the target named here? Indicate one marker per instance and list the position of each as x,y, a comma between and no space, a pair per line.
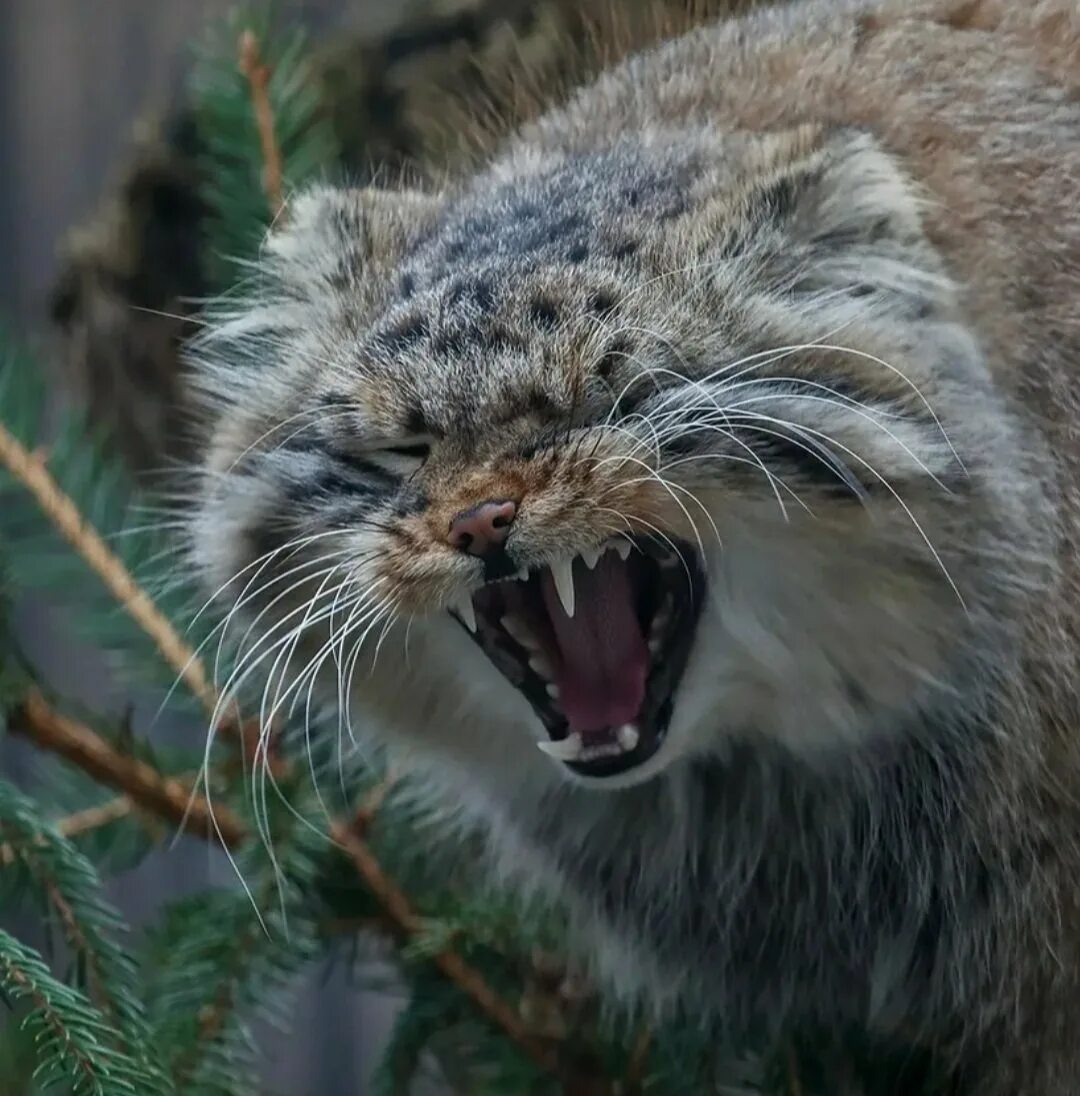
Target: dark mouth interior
601,680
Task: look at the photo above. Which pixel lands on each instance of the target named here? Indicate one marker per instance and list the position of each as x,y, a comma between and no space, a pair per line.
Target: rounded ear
332,238
831,214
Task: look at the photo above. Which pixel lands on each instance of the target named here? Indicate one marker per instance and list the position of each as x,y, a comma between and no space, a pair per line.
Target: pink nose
481,530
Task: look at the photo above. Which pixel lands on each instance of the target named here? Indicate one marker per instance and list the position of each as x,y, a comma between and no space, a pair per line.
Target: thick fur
801,290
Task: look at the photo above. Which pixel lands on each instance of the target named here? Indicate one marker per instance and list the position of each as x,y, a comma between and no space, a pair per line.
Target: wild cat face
619,454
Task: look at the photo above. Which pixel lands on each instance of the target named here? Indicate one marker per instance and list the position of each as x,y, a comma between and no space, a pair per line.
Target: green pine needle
224,957
66,885
76,1044
233,163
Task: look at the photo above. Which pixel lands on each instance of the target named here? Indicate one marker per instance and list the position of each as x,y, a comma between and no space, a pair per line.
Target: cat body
717,437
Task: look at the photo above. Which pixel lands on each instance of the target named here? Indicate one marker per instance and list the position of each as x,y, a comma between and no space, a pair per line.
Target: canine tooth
522,575
567,749
623,548
553,690
654,645
519,630
562,572
540,665
465,611
591,557
628,736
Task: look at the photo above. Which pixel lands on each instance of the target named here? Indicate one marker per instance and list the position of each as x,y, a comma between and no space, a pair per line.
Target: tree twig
258,75
61,510
164,796
94,818
365,814
80,822
78,943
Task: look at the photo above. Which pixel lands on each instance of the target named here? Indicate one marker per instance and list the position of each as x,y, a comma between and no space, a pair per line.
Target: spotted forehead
585,208
501,299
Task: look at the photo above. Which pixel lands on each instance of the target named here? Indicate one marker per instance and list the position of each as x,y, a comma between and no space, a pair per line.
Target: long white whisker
884,482
735,407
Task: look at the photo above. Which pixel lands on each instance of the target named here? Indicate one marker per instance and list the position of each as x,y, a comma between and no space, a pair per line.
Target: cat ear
846,223
337,239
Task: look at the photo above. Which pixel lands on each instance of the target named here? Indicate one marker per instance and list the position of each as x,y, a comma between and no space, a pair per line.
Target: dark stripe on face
329,482
376,475
409,501
341,462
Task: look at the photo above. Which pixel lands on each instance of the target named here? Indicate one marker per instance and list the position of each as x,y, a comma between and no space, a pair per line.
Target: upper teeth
465,611
562,573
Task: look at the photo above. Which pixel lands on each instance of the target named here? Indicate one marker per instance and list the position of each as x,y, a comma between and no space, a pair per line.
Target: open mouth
597,644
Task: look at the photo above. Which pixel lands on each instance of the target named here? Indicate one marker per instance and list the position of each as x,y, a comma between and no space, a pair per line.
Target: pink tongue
604,660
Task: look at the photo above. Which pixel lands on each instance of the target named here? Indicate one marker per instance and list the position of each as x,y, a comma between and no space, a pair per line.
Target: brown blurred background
74,74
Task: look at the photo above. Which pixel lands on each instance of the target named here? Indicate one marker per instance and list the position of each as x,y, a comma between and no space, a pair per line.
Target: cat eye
400,456
418,450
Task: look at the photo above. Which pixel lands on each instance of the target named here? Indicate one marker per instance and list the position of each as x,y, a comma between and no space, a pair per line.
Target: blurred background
74,77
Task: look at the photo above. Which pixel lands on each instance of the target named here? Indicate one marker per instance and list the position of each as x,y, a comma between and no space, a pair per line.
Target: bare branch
164,796
258,77
31,471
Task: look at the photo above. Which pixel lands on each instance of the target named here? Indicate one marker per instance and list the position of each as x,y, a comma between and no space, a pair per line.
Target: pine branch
50,867
166,797
72,1038
30,470
213,1017
258,77
408,924
92,819
222,955
264,130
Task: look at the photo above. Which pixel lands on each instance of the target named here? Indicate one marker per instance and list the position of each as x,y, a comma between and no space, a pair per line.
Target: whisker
888,487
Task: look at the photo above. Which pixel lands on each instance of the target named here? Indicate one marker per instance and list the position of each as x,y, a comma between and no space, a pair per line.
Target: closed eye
417,449
401,456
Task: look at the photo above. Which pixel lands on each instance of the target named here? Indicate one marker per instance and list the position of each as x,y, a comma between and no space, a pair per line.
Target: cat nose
482,529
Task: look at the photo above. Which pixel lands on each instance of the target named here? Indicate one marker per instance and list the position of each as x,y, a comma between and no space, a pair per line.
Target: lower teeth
573,748
566,749
628,736
596,752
